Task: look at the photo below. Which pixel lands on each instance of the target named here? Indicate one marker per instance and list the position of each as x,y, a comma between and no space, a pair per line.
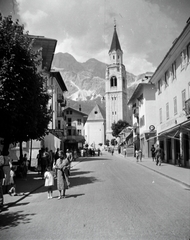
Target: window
167,111
113,81
188,53
79,131
166,79
71,112
69,132
79,121
183,59
69,122
160,113
173,70
175,105
183,95
159,86
67,112
113,57
59,124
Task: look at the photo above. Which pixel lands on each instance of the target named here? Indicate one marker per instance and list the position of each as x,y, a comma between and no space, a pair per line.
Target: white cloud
85,28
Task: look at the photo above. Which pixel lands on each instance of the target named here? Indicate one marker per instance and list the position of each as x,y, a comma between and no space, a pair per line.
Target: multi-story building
56,88
143,106
173,100
74,137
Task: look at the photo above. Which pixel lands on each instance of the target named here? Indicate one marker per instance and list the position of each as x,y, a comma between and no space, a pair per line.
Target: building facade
95,127
143,106
172,100
74,137
115,87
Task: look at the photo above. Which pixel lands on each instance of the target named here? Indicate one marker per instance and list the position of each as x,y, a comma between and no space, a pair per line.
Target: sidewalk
178,174
26,187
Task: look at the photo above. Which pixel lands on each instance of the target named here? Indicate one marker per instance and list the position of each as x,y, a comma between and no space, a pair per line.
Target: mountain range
86,81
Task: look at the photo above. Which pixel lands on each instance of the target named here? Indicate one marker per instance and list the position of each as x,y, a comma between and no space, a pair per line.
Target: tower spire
115,45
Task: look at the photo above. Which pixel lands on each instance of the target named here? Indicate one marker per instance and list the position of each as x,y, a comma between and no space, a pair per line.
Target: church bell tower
116,86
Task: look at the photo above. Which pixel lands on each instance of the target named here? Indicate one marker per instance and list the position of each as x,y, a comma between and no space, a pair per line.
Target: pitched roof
73,109
97,113
115,45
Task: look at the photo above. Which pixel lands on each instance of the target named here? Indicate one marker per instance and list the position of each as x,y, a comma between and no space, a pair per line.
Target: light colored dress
60,166
49,179
7,168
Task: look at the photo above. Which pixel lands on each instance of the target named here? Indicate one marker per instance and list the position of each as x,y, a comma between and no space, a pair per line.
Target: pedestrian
159,155
137,155
125,152
112,151
140,155
153,151
75,155
39,161
7,168
12,191
62,181
57,154
43,161
1,181
49,181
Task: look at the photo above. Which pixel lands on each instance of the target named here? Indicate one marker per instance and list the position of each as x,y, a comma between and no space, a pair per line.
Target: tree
118,127
23,97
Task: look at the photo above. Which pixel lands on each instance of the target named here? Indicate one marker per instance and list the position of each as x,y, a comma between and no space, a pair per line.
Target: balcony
187,108
136,112
60,98
63,103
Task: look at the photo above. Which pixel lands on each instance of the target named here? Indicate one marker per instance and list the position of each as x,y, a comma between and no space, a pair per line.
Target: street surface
110,198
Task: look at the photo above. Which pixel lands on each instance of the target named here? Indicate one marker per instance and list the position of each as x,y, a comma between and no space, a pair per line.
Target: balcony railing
60,98
136,111
187,107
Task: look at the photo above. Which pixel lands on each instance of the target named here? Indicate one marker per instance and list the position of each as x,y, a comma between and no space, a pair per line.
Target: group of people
157,154
60,169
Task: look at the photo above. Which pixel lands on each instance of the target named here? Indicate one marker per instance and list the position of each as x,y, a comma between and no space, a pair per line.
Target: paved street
110,198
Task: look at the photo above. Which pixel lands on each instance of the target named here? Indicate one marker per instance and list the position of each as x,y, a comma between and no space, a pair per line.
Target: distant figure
2,176
12,191
125,152
98,152
159,155
137,155
153,151
57,154
140,155
49,181
112,151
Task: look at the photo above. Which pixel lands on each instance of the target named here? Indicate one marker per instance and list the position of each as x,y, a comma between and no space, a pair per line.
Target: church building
116,87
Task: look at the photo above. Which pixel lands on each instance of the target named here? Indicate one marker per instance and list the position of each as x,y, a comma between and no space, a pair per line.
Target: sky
84,28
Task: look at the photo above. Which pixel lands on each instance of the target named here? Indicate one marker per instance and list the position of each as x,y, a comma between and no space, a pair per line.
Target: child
49,181
12,191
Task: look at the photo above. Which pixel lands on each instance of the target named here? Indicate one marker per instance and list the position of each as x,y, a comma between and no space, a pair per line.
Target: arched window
113,81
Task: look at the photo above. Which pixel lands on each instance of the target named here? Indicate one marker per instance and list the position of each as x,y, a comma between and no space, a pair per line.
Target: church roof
97,114
115,45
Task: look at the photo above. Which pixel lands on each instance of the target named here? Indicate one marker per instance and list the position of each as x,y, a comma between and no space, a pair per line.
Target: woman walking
61,165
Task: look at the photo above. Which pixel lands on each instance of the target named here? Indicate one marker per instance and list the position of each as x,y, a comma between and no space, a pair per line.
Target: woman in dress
7,168
61,165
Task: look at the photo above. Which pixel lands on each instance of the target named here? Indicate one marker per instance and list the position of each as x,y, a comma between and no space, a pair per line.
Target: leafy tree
23,98
118,127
